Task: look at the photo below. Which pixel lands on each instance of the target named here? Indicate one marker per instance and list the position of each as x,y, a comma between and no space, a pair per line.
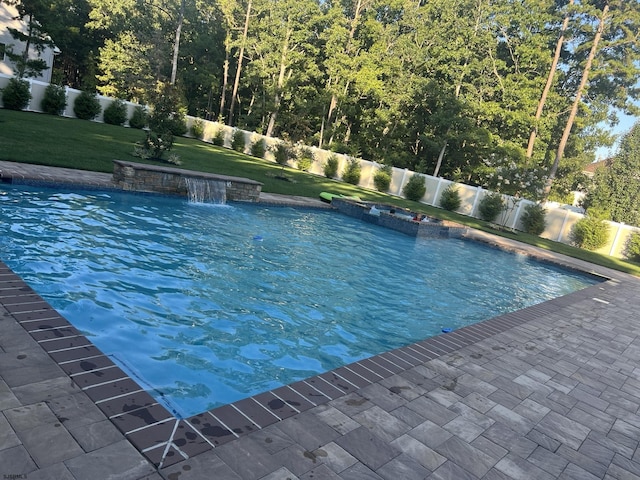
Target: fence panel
559,219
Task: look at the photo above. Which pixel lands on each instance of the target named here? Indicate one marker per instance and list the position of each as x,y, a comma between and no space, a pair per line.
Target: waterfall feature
205,190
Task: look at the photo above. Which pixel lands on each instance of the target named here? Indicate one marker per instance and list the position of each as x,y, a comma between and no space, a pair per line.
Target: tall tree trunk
576,102
440,157
225,76
280,85
236,83
547,87
176,43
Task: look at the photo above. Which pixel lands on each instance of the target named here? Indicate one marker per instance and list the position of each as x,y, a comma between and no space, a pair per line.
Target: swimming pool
205,305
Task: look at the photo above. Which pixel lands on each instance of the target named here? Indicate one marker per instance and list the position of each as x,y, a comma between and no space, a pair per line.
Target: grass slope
63,142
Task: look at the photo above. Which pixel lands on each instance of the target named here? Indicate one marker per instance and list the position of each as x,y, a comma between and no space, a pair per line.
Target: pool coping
165,440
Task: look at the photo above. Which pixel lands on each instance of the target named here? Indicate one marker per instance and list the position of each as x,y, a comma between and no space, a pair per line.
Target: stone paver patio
549,392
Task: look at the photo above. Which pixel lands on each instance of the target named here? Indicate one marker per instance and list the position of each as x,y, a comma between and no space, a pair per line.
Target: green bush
54,100
632,247
218,137
590,233
305,159
86,106
139,119
490,206
415,188
533,219
115,113
237,140
352,171
331,167
258,148
16,95
382,178
450,198
282,152
197,128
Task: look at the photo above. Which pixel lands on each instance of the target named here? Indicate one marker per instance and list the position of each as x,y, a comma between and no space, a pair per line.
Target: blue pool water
208,304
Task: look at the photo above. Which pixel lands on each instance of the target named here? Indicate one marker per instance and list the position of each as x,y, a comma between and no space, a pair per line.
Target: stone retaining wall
140,177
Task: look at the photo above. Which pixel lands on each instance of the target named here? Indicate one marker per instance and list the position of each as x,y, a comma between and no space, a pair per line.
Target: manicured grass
71,143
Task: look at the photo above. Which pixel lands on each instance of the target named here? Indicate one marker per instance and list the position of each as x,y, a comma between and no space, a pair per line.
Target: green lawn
64,142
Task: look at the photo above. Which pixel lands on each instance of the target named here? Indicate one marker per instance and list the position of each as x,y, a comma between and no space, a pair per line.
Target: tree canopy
501,93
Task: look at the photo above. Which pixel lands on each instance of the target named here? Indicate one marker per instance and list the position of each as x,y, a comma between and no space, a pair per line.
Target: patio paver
551,392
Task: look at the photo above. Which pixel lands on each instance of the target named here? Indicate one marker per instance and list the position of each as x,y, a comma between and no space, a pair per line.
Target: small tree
590,232
54,100
197,128
533,219
450,198
218,137
16,95
632,247
115,113
282,152
382,178
352,171
258,148
167,119
490,206
305,158
415,188
139,118
331,167
86,106
237,140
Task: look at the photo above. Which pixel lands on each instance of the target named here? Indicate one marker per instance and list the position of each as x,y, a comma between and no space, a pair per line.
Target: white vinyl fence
559,218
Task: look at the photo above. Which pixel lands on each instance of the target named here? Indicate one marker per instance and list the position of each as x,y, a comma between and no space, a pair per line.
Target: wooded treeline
501,93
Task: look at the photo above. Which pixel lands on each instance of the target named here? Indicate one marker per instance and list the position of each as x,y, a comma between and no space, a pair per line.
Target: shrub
352,171
331,167
282,152
305,159
167,115
86,106
115,113
450,198
54,100
237,140
415,188
197,128
590,233
632,248
16,95
218,137
533,219
490,206
382,178
139,118
258,148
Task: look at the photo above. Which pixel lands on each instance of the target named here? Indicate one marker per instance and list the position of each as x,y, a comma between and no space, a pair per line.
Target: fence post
404,177
475,202
435,197
516,216
616,238
564,223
